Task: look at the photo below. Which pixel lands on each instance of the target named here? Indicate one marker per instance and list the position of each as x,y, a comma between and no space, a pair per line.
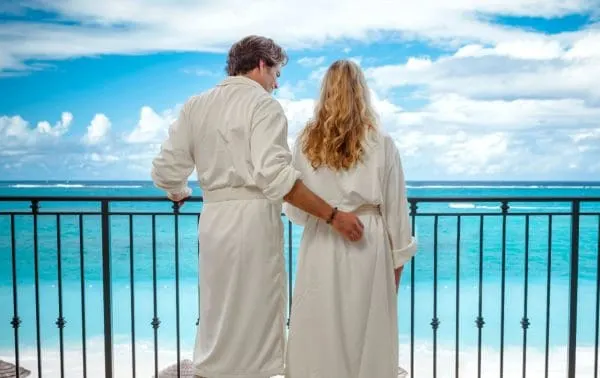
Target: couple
344,183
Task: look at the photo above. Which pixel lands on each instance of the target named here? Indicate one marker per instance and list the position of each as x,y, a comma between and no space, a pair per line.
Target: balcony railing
508,267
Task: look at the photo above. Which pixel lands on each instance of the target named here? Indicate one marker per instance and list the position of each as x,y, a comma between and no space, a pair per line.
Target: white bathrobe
344,307
235,136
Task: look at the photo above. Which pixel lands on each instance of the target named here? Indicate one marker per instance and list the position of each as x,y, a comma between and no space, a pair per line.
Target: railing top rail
420,199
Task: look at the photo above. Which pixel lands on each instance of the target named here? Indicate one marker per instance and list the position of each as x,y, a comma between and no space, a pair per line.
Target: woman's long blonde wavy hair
343,115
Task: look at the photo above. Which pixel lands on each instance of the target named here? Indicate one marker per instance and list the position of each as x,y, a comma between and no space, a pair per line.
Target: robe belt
231,194
368,209
376,210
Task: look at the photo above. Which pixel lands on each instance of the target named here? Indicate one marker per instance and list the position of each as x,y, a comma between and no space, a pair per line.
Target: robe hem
264,374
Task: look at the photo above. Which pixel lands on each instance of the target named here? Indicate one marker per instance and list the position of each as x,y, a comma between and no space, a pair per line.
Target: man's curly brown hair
246,54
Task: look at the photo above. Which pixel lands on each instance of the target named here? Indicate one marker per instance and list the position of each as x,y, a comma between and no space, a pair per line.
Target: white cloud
8,61
585,47
132,150
286,92
311,61
518,69
446,139
461,138
139,26
16,136
98,130
520,49
56,153
356,59
96,157
199,71
475,154
318,74
58,129
586,135
151,128
452,111
298,113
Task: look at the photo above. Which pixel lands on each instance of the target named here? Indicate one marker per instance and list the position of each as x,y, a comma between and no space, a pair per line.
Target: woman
344,311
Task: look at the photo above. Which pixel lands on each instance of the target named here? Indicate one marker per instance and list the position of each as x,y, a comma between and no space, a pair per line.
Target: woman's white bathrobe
344,307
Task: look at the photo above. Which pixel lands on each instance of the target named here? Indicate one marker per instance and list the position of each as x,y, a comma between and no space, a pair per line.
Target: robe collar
240,80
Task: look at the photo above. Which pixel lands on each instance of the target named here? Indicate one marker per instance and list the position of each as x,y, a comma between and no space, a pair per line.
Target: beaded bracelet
333,213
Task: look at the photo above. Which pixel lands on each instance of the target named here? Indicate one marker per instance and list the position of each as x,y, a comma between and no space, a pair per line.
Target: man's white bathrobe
344,310
235,136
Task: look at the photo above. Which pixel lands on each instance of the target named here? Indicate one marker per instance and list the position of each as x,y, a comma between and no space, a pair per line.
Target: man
235,136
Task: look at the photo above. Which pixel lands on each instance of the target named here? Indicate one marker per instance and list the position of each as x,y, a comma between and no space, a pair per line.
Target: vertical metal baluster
479,321
548,282
573,287
177,326
132,294
525,320
60,321
413,214
107,291
155,321
435,322
82,286
457,334
504,208
16,321
597,302
35,207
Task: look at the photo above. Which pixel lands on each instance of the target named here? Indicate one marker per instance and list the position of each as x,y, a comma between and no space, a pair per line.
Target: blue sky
470,90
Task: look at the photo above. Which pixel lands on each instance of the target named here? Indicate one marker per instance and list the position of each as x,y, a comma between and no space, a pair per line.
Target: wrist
332,215
179,194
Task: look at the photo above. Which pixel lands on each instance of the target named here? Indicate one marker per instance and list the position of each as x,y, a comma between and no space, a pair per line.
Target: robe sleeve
270,153
296,215
175,163
395,206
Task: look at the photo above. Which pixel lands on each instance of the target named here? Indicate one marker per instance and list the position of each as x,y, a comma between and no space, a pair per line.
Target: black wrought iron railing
516,253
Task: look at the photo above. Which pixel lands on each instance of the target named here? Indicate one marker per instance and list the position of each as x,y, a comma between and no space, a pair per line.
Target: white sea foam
29,186
73,186
467,186
468,205
423,360
542,207
522,187
462,205
471,206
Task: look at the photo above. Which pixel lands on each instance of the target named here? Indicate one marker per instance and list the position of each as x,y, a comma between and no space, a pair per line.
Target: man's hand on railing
180,203
180,197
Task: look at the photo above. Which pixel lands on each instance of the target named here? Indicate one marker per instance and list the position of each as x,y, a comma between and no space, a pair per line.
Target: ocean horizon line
410,184
194,180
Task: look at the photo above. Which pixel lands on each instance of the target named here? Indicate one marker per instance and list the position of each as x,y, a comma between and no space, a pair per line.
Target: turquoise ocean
530,274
